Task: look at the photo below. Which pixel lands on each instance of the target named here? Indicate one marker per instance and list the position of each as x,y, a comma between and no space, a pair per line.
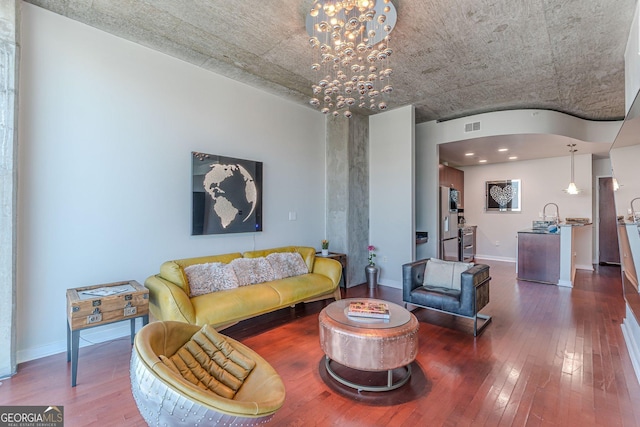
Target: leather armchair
467,301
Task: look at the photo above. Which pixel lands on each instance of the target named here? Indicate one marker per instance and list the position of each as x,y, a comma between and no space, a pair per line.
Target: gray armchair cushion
444,274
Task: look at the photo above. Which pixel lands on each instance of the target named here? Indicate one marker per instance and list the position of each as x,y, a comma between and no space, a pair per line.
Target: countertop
545,231
539,231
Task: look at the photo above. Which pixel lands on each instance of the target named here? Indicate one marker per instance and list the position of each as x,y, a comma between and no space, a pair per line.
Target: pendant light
572,189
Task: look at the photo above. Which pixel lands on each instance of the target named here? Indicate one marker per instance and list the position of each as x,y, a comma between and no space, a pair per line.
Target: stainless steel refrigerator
448,224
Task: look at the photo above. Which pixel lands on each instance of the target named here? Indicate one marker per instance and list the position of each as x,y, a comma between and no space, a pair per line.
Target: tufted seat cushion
208,361
159,391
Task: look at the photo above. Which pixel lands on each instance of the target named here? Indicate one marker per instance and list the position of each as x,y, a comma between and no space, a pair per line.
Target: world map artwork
227,195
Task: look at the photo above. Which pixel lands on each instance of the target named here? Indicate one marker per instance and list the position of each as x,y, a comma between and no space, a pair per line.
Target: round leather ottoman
369,344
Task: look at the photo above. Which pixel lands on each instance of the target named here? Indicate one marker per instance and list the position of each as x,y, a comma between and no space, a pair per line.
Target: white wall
427,188
520,122
106,133
625,168
632,61
391,191
542,181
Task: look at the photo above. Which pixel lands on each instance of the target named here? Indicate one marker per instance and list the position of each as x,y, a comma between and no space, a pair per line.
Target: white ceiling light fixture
615,184
351,39
572,189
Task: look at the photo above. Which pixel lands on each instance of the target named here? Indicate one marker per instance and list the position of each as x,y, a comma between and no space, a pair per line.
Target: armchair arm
167,301
472,279
412,277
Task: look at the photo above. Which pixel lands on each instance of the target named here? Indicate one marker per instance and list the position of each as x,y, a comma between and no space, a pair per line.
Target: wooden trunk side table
98,305
342,259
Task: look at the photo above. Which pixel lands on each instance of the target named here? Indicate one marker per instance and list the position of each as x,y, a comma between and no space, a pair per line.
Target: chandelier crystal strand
352,44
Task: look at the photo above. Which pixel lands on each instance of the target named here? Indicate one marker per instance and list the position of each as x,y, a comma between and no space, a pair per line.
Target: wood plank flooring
551,357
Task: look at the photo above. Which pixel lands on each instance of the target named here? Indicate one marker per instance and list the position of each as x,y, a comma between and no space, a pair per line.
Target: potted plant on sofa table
325,247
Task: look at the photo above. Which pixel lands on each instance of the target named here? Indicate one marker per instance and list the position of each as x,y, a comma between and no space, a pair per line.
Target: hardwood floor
552,356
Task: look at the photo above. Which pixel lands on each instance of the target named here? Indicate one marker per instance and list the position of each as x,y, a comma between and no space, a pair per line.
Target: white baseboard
495,258
390,283
584,267
88,337
565,283
631,333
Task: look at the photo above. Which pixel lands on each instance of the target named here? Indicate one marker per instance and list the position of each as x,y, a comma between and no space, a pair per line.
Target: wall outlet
130,311
497,242
384,259
293,216
94,318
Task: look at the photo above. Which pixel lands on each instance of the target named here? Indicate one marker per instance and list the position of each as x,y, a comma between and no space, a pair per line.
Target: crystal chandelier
350,39
572,189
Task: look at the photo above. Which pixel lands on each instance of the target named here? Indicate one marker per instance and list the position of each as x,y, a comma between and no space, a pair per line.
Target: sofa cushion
208,361
299,288
173,271
251,271
308,253
210,277
444,274
225,307
287,264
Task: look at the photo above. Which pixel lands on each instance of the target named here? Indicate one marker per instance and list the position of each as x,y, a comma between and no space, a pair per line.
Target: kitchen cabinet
453,178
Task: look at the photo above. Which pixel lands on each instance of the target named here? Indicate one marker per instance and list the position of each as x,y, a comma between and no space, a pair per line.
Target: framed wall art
226,195
503,196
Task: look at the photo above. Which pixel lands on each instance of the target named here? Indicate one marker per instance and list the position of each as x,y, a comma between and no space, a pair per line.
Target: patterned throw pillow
211,277
250,271
287,264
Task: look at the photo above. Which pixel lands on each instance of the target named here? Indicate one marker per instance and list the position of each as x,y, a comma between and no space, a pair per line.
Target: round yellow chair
165,397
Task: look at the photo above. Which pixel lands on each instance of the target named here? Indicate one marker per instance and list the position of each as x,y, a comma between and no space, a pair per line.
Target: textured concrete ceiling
452,58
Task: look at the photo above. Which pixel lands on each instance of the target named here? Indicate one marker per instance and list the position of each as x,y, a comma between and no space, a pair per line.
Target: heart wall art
503,196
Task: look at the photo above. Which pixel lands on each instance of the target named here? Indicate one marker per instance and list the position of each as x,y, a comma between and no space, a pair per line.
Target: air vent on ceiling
472,127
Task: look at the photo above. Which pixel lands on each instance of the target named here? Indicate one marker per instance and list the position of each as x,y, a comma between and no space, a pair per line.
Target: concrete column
348,191
9,49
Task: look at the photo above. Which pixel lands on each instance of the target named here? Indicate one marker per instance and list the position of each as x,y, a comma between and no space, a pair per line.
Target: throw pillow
250,271
445,274
458,269
287,264
210,277
209,362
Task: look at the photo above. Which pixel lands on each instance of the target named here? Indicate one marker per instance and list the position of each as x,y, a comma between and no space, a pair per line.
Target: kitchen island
549,256
539,256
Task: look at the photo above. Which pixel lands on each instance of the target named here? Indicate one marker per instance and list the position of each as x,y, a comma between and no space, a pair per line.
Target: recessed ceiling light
513,157
503,149
482,161
469,154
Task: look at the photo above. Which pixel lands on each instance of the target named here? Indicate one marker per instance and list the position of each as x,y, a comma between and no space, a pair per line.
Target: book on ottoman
377,310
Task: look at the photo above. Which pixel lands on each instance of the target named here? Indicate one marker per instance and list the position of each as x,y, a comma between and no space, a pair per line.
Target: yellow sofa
169,290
